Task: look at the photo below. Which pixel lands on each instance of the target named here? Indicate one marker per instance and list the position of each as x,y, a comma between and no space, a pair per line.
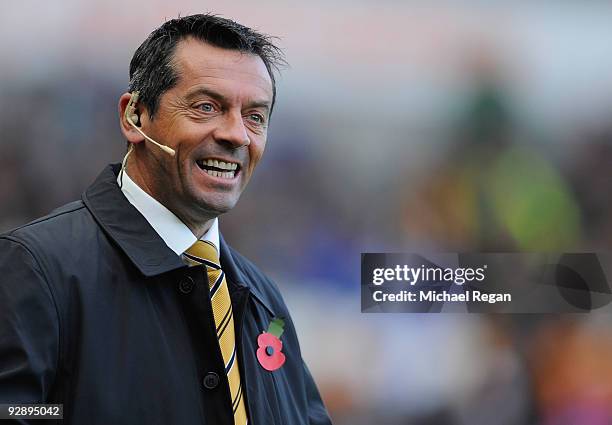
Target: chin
215,207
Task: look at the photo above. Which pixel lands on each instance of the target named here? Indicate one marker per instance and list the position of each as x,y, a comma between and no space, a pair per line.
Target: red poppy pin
269,352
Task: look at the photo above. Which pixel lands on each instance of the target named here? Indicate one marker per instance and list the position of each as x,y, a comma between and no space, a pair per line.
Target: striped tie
205,253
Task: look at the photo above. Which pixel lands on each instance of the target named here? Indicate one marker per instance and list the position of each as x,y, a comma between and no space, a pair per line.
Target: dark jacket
97,313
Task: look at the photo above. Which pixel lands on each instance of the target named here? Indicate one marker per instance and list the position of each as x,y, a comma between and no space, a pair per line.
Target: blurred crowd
354,165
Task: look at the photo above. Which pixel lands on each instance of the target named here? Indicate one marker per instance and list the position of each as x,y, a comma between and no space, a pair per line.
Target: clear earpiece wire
124,164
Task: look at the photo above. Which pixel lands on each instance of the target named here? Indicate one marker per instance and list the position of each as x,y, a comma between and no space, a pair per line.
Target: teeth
220,164
226,175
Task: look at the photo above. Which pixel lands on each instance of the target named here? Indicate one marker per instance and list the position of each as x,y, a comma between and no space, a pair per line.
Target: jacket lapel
233,266
127,227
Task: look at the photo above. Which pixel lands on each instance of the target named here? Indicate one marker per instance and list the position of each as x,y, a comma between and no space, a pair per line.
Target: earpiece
132,117
130,110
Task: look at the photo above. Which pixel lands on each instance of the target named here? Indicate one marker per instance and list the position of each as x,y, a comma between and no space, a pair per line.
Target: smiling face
216,119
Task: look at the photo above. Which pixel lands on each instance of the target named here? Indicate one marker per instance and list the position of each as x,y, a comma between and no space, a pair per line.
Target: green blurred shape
532,201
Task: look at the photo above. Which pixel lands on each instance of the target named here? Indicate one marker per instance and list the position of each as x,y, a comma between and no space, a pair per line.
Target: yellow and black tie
205,253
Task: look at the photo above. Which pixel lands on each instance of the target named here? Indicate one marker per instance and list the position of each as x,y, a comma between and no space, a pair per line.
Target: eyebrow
221,98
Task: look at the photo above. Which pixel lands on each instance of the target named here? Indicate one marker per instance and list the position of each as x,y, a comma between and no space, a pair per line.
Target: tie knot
203,250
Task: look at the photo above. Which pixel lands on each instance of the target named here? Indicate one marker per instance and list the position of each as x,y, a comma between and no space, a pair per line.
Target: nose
231,130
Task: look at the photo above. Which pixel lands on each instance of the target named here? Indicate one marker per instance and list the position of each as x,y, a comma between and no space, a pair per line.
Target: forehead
235,73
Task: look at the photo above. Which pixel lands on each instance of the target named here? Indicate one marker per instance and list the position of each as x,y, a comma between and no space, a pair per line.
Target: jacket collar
236,275
138,240
127,227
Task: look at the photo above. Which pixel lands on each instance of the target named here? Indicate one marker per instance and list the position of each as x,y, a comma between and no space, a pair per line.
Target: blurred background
400,126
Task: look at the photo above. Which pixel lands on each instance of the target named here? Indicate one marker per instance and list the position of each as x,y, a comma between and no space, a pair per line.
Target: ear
128,131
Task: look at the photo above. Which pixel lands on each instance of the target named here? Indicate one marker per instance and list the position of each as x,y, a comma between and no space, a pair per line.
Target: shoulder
260,284
247,267
57,232
58,220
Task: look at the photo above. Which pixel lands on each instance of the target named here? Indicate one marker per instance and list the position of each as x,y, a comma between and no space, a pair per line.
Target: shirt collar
168,226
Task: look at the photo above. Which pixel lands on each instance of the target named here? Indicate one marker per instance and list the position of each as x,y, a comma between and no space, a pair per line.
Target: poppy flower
269,353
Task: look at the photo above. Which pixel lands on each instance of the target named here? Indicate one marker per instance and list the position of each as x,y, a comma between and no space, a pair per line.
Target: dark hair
151,69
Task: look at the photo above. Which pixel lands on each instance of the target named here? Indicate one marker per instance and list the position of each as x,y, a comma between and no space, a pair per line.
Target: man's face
216,119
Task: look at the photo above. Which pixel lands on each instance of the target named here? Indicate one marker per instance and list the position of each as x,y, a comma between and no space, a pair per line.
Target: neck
134,171
199,229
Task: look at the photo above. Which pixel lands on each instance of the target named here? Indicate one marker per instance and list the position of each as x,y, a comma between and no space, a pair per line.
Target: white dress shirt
169,227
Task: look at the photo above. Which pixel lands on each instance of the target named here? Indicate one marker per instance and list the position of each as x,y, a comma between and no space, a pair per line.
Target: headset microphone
132,118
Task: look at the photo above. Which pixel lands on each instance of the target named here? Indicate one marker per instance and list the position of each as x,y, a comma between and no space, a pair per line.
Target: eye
258,118
206,107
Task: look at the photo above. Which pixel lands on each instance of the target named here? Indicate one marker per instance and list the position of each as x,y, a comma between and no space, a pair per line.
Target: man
128,307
